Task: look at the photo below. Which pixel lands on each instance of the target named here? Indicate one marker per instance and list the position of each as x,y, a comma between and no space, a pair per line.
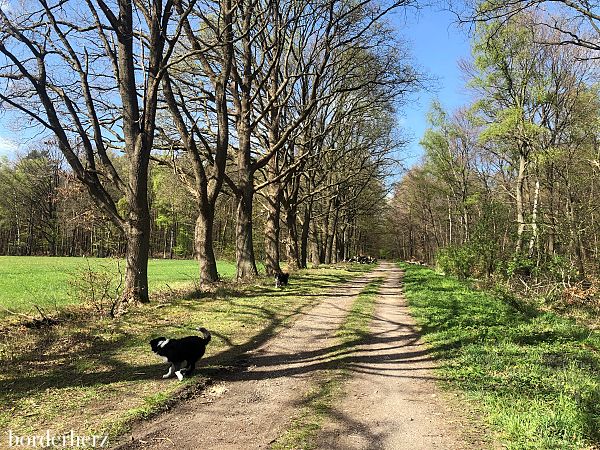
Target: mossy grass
329,386
95,375
534,374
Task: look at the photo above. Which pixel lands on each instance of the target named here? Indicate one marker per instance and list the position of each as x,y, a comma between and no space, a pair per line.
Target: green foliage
533,374
507,123
555,268
123,207
559,268
476,258
28,192
457,260
185,243
520,265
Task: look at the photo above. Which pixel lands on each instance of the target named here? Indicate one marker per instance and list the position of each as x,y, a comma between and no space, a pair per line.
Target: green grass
97,375
535,375
44,281
318,402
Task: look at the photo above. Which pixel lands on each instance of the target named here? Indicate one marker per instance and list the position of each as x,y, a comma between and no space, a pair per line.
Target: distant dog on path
281,279
188,349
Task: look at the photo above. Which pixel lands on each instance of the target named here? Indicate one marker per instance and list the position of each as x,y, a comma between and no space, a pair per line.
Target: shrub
521,266
457,260
97,286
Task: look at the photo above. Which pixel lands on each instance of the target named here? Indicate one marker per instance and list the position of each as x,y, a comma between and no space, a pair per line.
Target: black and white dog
175,351
281,279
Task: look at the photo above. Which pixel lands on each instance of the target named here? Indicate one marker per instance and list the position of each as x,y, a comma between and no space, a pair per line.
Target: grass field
26,281
96,375
534,374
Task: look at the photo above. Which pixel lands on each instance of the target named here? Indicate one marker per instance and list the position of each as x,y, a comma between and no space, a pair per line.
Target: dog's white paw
179,375
166,375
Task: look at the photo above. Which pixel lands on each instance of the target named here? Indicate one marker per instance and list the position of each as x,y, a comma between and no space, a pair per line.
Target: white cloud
7,146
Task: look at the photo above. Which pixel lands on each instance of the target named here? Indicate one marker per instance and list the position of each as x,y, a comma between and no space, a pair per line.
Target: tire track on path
391,400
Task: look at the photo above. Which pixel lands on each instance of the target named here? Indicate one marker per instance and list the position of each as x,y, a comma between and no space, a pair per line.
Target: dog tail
206,334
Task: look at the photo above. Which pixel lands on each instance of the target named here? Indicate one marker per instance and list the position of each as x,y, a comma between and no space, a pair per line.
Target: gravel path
391,402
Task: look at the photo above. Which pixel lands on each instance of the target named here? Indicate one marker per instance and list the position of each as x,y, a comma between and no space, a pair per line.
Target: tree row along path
390,400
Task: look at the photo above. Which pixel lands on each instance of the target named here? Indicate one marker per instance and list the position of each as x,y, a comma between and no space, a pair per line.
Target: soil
391,399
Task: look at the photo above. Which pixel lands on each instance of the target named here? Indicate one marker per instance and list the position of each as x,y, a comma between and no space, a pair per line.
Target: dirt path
392,401
252,408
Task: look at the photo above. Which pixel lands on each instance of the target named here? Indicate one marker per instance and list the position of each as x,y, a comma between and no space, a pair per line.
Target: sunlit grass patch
534,373
45,281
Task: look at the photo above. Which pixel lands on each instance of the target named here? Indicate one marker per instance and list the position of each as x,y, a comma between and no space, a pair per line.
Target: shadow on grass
54,357
297,281
494,344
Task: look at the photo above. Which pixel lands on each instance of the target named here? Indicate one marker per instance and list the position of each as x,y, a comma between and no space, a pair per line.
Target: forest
179,156
507,188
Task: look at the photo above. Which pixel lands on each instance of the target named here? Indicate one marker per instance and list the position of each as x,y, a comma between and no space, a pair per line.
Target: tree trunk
332,245
304,238
272,229
551,211
245,261
575,245
293,257
203,245
450,224
534,213
317,254
136,257
172,239
519,200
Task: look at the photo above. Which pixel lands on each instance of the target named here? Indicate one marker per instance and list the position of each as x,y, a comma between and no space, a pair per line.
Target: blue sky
437,45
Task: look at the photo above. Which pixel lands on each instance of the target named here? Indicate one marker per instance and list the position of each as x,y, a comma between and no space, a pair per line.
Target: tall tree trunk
244,249
136,258
203,245
534,214
304,237
272,229
293,256
575,245
450,224
317,254
519,191
332,245
551,210
137,230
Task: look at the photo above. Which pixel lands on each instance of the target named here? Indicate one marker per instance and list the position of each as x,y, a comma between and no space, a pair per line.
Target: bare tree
200,80
284,72
89,72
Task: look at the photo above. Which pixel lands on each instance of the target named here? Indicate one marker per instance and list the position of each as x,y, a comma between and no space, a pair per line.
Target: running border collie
188,349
